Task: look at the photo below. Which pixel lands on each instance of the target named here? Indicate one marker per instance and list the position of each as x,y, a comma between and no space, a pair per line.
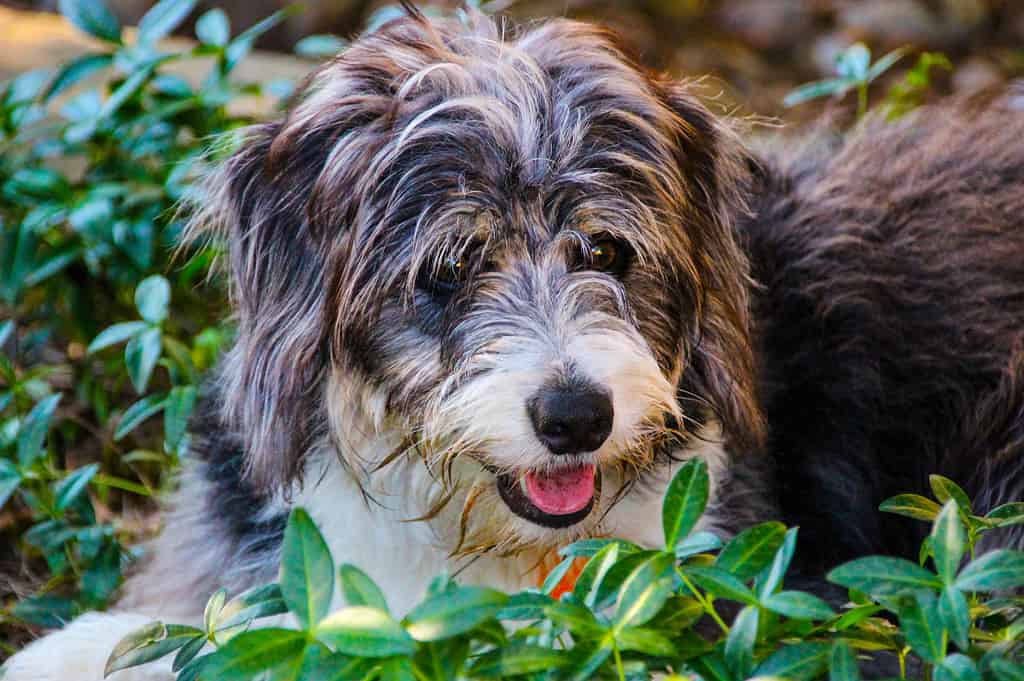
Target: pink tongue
561,492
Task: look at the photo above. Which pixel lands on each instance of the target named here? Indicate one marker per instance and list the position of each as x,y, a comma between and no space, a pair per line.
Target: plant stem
862,100
708,606
618,663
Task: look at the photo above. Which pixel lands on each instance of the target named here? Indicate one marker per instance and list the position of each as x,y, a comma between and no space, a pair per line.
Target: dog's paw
79,652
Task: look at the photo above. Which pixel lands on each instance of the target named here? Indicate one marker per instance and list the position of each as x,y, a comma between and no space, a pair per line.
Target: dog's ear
271,381
722,365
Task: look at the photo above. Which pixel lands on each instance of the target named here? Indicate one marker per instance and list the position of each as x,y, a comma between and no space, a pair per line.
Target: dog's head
515,252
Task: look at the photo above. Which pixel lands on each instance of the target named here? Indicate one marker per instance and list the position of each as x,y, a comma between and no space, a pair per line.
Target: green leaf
135,640
453,612
364,631
842,663
140,357
214,606
37,183
32,432
93,17
994,571
153,296
177,409
307,570
252,652
698,542
955,616
75,71
739,644
10,479
800,662
139,412
162,18
339,667
125,91
586,662
69,489
751,550
685,500
912,506
852,63
644,592
772,578
585,548
213,28
922,626
588,583
820,88
116,334
948,541
244,41
1008,514
320,46
525,605
886,63
883,576
151,642
721,583
576,618
188,652
1005,670
957,667
799,605
554,577
262,601
945,489
518,660
647,641
52,265
359,589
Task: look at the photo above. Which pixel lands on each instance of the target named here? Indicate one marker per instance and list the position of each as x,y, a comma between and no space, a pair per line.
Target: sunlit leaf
365,631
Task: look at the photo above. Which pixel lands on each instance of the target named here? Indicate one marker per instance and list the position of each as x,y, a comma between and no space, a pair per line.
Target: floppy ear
722,368
271,381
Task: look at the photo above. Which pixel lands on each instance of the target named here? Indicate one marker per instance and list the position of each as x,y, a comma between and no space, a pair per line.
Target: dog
492,290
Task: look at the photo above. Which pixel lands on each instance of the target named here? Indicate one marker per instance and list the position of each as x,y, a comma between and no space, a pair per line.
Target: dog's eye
610,255
450,275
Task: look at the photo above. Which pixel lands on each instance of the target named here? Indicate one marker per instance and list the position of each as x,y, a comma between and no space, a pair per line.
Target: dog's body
452,236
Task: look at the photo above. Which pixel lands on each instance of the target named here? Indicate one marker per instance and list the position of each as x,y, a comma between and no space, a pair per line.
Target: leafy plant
910,93
854,71
632,612
93,160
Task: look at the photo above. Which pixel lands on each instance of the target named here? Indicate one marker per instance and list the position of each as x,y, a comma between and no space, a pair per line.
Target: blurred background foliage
106,331
755,50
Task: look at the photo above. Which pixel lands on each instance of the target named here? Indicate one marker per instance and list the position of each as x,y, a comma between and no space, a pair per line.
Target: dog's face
515,253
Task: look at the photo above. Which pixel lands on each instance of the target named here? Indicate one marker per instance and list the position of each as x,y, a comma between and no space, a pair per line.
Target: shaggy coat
450,222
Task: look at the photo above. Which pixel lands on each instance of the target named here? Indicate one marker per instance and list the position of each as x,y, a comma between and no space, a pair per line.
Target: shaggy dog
492,290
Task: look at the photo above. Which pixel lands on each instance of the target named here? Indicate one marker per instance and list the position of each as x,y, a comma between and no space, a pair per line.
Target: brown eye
610,255
452,271
446,279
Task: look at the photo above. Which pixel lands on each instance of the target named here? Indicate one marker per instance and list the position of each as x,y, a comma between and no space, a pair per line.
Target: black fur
889,319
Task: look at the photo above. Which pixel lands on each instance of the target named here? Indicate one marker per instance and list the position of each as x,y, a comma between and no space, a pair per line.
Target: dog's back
890,320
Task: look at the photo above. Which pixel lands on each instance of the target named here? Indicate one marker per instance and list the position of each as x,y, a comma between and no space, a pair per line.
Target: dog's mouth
555,499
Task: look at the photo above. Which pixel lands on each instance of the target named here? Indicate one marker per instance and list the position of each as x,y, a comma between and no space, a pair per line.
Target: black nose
570,419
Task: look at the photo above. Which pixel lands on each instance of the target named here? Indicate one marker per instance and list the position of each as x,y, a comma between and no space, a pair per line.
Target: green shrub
93,160
632,611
